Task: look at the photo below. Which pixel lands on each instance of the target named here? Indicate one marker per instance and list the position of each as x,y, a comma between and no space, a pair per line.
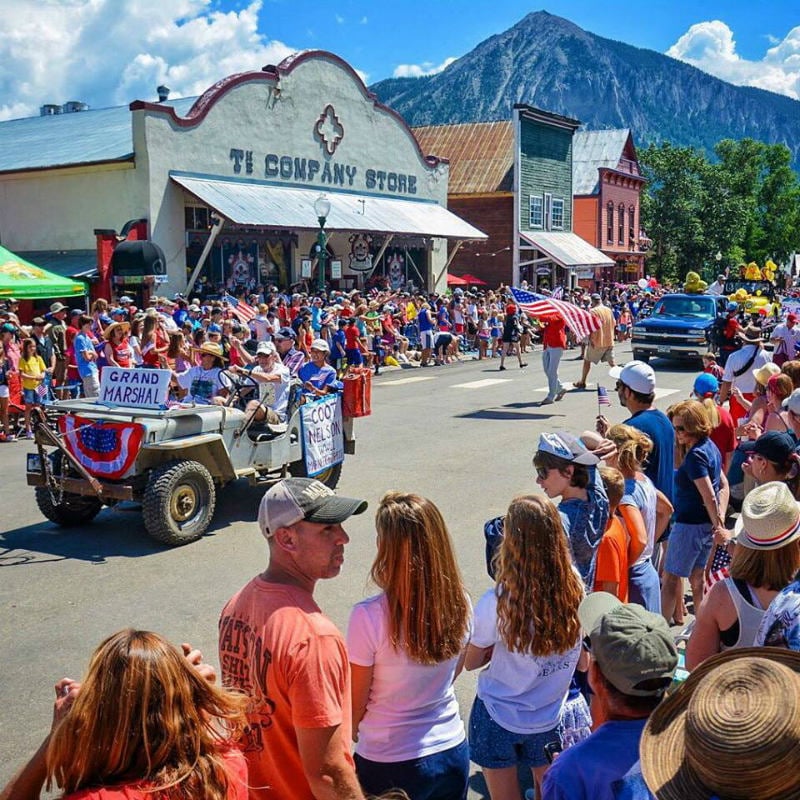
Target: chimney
73,106
163,93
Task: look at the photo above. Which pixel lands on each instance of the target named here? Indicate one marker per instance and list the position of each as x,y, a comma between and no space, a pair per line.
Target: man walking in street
554,341
601,341
277,646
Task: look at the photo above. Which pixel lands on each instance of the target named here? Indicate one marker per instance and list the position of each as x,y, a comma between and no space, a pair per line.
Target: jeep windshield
697,307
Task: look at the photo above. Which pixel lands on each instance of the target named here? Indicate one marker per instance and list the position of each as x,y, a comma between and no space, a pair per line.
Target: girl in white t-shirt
527,630
406,648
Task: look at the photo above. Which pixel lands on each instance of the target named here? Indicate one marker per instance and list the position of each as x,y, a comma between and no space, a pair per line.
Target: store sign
139,388
295,169
323,433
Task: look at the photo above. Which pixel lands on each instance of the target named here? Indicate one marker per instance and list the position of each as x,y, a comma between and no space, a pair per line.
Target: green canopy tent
24,281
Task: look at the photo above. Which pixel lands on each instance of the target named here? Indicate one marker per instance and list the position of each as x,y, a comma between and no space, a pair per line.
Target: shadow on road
501,414
115,533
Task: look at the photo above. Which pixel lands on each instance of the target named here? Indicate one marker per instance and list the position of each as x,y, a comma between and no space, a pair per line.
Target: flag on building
243,312
602,396
581,322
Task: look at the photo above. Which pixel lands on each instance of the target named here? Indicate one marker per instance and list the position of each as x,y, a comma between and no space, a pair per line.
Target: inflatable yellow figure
770,268
694,284
752,272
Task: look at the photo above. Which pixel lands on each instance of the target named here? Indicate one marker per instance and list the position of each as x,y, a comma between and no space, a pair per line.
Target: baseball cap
705,384
115,311
792,402
791,317
565,445
285,333
775,446
321,345
632,646
294,499
7,327
37,321
635,375
125,299
266,348
214,328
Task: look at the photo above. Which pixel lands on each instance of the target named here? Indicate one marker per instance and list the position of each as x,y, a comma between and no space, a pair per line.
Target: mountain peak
550,62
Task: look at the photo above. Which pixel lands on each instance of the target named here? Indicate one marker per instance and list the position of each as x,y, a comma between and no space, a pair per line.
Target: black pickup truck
680,327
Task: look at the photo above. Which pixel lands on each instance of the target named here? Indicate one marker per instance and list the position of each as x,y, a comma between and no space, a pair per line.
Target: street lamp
322,207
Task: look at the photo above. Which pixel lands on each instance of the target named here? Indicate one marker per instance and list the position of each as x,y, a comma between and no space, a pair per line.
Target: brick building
607,184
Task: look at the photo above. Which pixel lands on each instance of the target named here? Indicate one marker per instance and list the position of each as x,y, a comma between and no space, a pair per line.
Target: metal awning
292,208
566,249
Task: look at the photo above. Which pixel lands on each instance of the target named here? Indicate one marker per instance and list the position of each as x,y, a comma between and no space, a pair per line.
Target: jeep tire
179,502
74,509
330,477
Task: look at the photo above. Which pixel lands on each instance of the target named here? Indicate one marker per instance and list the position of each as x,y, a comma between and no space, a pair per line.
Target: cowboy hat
55,308
211,349
751,335
109,331
731,730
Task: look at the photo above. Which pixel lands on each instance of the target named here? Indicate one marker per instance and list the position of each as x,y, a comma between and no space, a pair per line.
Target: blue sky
109,52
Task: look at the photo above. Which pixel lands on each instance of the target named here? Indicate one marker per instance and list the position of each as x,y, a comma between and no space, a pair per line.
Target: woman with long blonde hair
527,630
145,724
406,648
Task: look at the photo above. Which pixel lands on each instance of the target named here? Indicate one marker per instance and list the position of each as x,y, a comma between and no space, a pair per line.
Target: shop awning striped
290,207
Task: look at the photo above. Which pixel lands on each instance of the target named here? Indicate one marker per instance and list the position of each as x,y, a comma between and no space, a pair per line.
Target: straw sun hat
770,517
732,730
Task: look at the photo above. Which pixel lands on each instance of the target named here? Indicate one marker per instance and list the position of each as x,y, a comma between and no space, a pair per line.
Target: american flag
718,570
581,322
602,396
43,388
243,312
558,293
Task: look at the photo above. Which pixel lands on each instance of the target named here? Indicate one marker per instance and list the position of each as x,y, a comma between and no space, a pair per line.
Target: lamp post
322,207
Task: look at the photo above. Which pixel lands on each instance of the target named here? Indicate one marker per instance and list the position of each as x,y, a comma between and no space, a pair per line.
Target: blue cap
115,311
733,306
105,319
214,328
705,385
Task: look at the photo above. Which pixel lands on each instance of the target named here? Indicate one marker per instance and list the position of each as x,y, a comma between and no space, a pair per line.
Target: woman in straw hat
118,351
766,558
204,383
730,732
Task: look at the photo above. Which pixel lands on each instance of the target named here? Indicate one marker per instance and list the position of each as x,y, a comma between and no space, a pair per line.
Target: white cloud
418,70
710,46
339,19
364,20
110,52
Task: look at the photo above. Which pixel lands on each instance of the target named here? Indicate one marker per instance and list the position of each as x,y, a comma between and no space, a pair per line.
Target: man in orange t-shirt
611,564
277,646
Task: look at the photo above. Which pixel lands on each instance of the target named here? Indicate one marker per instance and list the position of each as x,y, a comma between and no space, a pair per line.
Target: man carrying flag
554,341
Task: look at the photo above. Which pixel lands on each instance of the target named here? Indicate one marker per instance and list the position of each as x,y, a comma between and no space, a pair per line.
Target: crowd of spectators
581,680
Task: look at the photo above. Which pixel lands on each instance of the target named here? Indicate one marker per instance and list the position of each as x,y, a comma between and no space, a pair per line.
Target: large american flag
243,312
581,322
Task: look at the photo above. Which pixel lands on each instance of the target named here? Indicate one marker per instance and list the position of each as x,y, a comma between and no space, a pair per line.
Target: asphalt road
462,435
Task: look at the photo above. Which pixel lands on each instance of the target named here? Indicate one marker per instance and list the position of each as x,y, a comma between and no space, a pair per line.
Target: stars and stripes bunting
581,322
243,312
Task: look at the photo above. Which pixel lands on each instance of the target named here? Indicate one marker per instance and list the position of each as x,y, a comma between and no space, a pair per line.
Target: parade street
462,435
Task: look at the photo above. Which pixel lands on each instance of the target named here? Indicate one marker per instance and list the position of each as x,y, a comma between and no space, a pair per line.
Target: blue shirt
660,466
702,460
602,767
585,523
83,343
424,320
319,377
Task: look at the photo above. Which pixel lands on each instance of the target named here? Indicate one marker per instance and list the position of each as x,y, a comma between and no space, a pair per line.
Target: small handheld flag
602,396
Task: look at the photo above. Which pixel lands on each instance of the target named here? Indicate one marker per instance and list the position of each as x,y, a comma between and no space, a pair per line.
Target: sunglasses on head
679,428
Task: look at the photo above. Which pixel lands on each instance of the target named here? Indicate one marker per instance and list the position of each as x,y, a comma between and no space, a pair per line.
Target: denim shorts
493,747
688,548
443,775
29,397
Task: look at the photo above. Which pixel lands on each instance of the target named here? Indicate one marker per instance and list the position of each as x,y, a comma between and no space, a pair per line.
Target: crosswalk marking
480,384
414,379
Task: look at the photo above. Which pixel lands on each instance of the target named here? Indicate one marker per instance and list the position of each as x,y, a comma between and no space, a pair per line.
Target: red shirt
554,333
351,337
724,435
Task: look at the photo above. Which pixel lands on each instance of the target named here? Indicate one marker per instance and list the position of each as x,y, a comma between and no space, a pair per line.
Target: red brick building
480,191
607,184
